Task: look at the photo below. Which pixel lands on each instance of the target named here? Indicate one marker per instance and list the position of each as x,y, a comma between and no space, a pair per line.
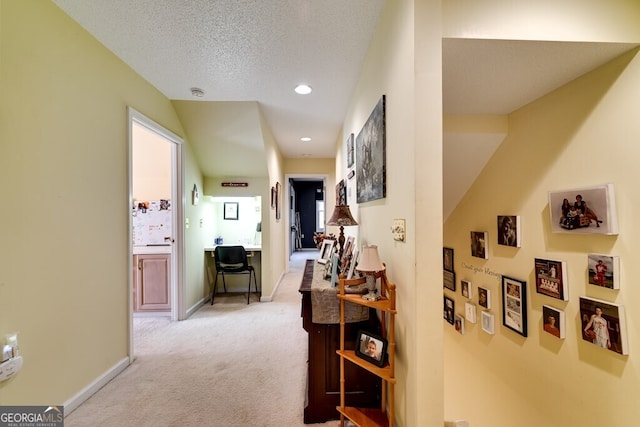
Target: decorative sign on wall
234,184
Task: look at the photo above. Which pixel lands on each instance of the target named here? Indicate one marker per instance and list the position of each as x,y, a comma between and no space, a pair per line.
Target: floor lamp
341,217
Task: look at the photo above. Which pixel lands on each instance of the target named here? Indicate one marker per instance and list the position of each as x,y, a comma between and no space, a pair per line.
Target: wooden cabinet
323,369
152,277
386,306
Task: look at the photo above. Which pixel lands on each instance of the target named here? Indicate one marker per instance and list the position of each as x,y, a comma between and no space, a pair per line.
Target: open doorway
306,211
156,245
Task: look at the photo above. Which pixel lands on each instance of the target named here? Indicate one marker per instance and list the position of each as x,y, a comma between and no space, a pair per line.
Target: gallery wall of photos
580,211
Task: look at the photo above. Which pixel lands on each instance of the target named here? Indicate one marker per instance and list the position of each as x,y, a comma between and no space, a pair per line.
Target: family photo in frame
371,347
586,210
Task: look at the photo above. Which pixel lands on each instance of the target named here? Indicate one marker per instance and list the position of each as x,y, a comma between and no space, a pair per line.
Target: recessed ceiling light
197,92
303,89
305,139
306,155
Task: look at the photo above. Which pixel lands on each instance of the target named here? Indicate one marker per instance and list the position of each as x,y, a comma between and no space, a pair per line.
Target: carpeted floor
230,364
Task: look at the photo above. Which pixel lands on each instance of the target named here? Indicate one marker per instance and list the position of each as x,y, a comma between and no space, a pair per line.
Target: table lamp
369,263
341,217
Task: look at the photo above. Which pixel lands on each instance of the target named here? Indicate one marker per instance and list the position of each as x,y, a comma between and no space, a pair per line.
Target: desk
323,374
235,283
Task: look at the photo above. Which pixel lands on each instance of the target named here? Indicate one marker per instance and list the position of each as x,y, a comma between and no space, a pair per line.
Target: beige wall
569,20
583,134
411,83
63,179
150,165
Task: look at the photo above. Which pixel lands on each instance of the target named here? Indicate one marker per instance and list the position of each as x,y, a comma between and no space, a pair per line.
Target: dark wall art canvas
371,174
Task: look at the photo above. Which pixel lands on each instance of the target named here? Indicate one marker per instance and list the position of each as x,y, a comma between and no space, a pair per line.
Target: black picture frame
514,305
449,280
350,151
448,309
447,259
362,342
231,210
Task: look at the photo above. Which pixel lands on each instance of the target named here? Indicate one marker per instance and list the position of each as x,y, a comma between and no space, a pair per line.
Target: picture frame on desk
353,263
371,347
325,250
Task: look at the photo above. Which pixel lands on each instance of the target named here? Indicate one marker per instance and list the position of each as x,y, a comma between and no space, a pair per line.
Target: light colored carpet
230,364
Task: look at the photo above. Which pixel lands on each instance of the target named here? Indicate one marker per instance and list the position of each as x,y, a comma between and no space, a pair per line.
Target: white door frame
178,204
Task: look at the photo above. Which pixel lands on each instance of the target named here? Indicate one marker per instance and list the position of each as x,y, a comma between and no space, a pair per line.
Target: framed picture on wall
553,321
585,210
487,322
479,244
447,259
371,164
551,278
603,324
231,210
514,305
604,270
509,230
449,309
350,151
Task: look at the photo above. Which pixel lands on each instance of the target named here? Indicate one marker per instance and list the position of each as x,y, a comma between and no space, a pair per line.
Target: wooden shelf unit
365,417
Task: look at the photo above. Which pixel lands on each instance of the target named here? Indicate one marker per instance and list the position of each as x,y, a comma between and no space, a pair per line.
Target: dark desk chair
232,260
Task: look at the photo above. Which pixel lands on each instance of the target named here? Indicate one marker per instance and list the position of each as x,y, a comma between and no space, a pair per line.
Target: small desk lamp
369,263
342,217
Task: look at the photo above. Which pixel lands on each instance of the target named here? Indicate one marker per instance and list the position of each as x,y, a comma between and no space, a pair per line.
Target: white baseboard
269,298
73,403
196,306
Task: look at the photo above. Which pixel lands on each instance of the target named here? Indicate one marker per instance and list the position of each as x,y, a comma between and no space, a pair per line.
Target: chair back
234,257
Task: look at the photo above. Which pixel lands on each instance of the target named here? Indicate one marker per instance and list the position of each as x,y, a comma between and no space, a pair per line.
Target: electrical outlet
398,230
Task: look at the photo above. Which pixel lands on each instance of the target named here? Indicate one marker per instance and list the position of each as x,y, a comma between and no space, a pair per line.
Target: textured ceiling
245,50
255,52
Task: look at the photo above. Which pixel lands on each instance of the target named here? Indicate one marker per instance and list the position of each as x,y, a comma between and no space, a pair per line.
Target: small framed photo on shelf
449,279
587,210
449,306
551,278
466,288
371,347
447,259
479,244
509,230
334,269
514,305
484,298
458,324
487,322
325,250
604,271
603,324
231,210
353,263
553,321
470,312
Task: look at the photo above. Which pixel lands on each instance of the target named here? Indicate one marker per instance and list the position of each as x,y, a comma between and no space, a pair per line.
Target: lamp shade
342,217
369,260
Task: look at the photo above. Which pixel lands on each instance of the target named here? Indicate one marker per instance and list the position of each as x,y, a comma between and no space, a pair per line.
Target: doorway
155,240
305,209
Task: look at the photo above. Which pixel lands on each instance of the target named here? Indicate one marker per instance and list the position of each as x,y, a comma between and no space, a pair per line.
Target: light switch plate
398,230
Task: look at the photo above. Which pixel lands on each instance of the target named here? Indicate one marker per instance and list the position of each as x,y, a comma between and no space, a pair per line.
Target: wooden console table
323,380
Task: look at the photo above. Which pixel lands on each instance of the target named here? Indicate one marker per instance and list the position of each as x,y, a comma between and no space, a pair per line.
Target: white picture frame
488,322
325,250
470,312
352,265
